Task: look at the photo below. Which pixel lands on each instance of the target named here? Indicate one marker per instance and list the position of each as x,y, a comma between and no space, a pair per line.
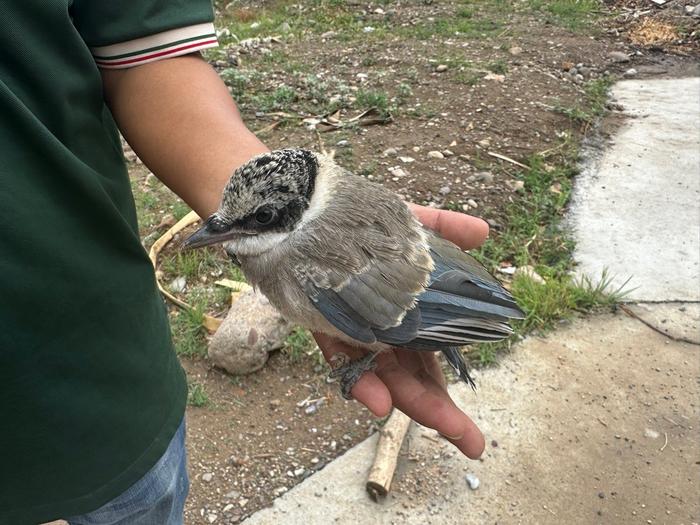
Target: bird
338,254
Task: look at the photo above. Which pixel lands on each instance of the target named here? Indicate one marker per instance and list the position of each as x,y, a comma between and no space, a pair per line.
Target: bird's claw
349,372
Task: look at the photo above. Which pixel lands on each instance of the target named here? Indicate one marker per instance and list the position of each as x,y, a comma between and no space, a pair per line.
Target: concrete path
597,424
636,208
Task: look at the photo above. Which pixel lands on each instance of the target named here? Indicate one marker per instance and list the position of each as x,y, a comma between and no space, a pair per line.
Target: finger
424,401
369,390
464,230
432,365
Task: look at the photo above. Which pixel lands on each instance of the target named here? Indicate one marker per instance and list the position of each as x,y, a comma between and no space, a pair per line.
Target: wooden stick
210,323
388,448
507,159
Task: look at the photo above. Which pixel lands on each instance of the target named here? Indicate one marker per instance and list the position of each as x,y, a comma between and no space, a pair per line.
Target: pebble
465,207
398,172
228,507
232,495
484,176
630,72
435,155
447,153
618,56
416,149
653,434
343,143
298,472
493,224
285,27
518,185
473,481
390,152
472,203
243,502
445,190
441,68
695,13
328,34
207,477
407,160
211,518
178,285
515,50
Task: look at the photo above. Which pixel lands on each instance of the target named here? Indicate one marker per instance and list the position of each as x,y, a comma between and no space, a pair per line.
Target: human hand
413,381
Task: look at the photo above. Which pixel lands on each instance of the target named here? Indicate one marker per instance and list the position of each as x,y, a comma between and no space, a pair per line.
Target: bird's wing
367,290
463,302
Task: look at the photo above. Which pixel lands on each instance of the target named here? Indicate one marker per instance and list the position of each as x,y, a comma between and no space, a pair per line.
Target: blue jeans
158,498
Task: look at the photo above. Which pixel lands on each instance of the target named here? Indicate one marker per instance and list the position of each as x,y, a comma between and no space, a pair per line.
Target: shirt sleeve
122,34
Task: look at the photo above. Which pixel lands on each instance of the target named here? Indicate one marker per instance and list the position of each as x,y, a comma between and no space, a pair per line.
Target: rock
398,172
178,285
529,272
298,472
167,221
390,152
407,160
211,518
328,34
484,176
630,72
618,56
472,203
695,13
207,477
585,71
653,434
518,185
441,68
447,153
493,224
515,50
567,65
445,190
435,155
228,508
472,481
343,143
234,494
415,149
251,329
485,143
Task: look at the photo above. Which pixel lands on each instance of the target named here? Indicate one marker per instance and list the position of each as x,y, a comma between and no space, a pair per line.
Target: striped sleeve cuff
150,48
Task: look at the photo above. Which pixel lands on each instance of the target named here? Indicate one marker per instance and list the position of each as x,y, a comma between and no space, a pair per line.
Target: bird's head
264,200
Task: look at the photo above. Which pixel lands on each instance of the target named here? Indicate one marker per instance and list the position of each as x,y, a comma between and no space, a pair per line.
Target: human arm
180,119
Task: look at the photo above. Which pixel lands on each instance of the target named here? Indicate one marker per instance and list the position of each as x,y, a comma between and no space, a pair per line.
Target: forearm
180,119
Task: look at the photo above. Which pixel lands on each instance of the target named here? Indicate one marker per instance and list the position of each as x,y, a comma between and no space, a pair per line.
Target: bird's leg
349,372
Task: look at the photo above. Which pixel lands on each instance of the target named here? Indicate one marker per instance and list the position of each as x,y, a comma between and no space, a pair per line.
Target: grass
188,332
197,396
299,344
596,99
572,14
534,235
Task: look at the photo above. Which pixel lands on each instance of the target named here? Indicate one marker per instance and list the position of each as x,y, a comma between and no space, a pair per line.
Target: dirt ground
505,89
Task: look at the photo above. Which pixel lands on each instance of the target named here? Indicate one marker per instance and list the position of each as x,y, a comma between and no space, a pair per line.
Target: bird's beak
204,237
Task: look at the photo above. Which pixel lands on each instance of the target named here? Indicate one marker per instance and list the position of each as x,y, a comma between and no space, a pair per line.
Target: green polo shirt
91,391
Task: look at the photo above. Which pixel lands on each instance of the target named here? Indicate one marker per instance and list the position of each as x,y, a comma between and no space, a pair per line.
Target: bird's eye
265,216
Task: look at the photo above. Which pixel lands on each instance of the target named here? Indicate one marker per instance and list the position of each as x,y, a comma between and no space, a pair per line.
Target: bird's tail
454,357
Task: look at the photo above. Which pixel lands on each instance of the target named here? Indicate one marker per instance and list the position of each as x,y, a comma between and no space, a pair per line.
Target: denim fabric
158,498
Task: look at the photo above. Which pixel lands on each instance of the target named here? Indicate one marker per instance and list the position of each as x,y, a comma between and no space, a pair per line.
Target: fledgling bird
338,254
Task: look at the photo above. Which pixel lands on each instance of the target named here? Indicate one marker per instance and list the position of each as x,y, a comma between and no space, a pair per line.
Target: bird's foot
349,372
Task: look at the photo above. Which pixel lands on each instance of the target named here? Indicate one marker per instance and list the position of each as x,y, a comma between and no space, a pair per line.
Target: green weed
197,396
